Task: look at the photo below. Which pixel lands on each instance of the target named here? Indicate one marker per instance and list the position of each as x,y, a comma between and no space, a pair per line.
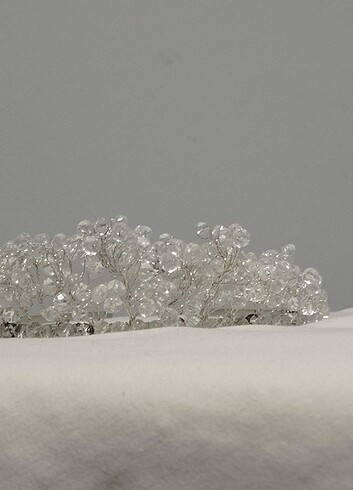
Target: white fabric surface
178,408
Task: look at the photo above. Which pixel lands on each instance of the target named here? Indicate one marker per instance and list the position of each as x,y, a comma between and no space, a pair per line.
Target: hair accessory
76,285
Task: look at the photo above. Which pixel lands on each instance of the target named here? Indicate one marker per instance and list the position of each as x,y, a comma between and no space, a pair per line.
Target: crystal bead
91,245
119,219
47,269
144,231
169,262
204,231
165,237
288,251
85,227
226,237
101,227
217,231
58,241
78,314
112,304
82,293
308,309
50,314
23,238
169,317
62,298
311,276
119,231
42,239
241,236
115,286
99,293
147,308
269,254
25,300
94,267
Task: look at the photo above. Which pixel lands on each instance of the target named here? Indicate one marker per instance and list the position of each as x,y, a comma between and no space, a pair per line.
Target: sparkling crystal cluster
76,285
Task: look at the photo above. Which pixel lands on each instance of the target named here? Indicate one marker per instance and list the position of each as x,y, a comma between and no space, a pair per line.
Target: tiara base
220,318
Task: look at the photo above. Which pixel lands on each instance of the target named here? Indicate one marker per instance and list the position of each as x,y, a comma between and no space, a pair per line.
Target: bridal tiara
78,285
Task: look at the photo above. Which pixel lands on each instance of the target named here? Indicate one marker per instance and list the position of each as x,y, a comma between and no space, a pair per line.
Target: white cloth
180,409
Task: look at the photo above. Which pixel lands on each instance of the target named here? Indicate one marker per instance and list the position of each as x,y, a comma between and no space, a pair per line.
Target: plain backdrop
174,112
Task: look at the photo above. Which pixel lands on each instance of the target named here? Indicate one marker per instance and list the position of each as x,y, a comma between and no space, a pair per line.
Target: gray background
172,112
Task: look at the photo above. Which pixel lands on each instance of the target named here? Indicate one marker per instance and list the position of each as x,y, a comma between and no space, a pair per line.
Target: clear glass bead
99,293
144,231
169,317
204,231
147,308
42,238
113,304
91,245
101,226
85,227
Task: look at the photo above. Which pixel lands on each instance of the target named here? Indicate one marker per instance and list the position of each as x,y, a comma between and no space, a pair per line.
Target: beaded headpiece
78,285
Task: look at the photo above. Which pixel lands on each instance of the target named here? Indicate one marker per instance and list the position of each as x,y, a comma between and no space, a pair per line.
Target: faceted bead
112,304
48,269
204,231
217,231
62,298
114,286
147,308
143,242
169,262
257,294
192,252
288,251
49,286
85,227
241,236
82,293
50,314
23,238
94,267
99,293
101,226
144,231
308,309
91,245
77,314
42,238
226,237
119,219
119,231
293,303
26,300
165,290
122,293
311,276
58,241
271,254
169,317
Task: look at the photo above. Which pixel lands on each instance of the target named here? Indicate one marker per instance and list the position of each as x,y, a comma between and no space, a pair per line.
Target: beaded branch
76,285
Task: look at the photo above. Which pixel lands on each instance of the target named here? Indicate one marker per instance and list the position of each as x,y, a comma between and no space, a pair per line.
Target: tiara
78,285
